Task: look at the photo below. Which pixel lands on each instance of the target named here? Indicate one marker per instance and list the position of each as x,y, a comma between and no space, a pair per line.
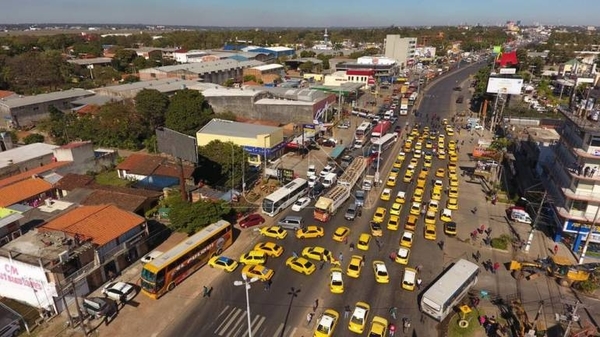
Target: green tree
220,162
248,78
187,112
118,125
33,138
58,125
306,67
538,66
192,217
123,59
307,53
152,106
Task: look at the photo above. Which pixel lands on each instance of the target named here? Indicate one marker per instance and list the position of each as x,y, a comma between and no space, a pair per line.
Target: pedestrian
474,210
488,231
481,229
496,267
490,265
309,317
316,305
481,320
341,257
419,267
555,249
295,254
346,311
477,256
345,240
206,291
322,265
419,281
268,285
392,329
362,262
351,246
393,256
441,244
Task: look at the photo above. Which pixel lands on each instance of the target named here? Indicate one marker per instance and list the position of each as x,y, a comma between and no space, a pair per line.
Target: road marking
261,320
240,325
227,321
224,309
287,332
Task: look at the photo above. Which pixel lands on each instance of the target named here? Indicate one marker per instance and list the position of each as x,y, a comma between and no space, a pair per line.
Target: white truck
329,180
330,203
520,215
353,172
368,182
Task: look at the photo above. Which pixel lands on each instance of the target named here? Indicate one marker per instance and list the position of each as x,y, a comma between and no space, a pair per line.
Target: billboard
425,52
26,283
505,85
177,144
508,71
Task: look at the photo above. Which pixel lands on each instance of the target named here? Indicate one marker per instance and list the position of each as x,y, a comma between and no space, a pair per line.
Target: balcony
581,195
572,215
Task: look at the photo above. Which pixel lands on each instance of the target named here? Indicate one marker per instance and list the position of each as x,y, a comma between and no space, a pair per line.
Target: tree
123,59
187,112
192,217
538,66
306,67
152,106
219,163
33,138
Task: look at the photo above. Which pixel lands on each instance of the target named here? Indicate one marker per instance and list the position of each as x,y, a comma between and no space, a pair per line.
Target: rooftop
235,129
23,190
22,101
24,153
95,60
96,100
298,94
163,85
34,217
92,197
41,171
102,224
208,67
274,101
582,122
148,165
543,134
266,67
231,92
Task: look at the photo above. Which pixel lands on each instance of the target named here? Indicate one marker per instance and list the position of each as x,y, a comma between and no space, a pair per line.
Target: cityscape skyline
285,13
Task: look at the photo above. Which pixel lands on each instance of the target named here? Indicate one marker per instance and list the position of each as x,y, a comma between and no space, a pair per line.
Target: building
153,172
400,49
261,142
167,86
146,52
32,192
10,227
92,62
277,52
572,179
209,72
24,158
20,111
70,254
383,69
364,77
266,73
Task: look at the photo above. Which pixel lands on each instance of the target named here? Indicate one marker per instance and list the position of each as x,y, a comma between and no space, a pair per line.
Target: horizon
287,14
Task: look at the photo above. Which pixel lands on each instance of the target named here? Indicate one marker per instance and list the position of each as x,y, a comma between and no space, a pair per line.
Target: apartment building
401,49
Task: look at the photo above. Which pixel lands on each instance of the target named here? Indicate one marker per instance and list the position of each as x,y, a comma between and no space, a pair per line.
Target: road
275,313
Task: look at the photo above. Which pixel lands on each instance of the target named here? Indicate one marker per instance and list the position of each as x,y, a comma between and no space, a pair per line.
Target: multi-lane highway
274,312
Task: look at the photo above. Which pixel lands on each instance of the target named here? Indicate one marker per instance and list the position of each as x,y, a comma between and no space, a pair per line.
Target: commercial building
383,69
20,111
277,52
24,158
266,73
260,141
401,49
167,86
572,179
209,72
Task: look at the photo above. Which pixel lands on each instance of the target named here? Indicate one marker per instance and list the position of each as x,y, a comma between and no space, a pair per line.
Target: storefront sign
285,175
261,150
26,283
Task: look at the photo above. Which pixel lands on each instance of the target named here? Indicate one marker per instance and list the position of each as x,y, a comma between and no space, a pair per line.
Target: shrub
501,242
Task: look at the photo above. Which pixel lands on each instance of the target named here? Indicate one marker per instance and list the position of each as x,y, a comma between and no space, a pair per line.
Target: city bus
449,289
172,267
284,197
362,131
383,143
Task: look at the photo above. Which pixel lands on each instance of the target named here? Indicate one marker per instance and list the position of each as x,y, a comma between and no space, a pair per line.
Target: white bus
449,289
384,143
362,131
284,196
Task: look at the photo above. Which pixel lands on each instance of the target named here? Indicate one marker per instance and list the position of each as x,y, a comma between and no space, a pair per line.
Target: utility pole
588,237
79,313
572,318
535,223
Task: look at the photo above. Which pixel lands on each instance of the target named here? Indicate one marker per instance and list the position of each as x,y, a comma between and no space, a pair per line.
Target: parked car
344,124
119,291
97,307
251,220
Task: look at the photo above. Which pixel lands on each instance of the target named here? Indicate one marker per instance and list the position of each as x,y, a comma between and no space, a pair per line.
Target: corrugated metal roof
235,129
212,66
21,101
7,220
25,153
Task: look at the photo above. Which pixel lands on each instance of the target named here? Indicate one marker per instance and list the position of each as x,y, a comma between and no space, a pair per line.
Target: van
329,180
520,215
358,144
351,212
10,330
98,307
291,222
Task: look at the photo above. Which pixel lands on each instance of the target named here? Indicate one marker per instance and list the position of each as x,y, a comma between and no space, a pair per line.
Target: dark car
251,220
460,99
316,191
398,129
457,89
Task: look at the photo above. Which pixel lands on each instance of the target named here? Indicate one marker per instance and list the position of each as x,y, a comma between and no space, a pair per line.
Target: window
595,141
153,75
578,205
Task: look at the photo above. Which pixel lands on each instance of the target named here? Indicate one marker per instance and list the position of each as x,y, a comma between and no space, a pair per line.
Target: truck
330,203
368,182
353,172
519,214
404,103
329,179
380,129
404,88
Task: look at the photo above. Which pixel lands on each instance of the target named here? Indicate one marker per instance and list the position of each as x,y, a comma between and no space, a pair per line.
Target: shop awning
337,151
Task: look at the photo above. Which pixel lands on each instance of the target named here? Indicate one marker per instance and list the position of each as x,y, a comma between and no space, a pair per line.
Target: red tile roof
127,202
101,224
147,165
90,109
23,190
6,93
51,167
72,181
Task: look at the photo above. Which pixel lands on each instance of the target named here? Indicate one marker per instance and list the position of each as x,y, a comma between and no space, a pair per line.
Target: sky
303,13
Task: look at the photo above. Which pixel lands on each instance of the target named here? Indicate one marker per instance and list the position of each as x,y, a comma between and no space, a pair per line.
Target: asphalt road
275,313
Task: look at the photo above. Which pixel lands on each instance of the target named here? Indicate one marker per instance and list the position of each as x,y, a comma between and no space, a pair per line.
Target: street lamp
535,223
293,293
246,282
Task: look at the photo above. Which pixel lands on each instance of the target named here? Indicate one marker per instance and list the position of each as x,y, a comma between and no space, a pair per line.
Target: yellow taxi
310,232
428,144
401,197
450,228
301,265
397,163
453,192
445,121
454,181
425,129
327,323
452,203
223,262
438,184
450,131
355,266
379,215
433,206
453,158
393,223
415,208
276,232
375,229
436,194
396,208
380,271
401,156
430,218
409,279
441,137
270,248
411,223
378,327
418,146
391,181
407,146
253,257
359,317
429,232
407,239
452,152
441,154
425,169
414,132
363,241
452,145
440,173
386,194
422,178
317,253
427,163
418,195
446,215
402,255
428,155
259,271
336,280
408,176
417,153
341,234
441,144
451,168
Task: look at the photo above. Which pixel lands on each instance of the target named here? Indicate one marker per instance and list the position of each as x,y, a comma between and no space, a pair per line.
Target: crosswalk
233,322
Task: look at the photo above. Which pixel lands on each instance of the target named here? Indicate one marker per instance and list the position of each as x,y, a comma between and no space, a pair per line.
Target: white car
312,180
119,291
326,170
312,171
300,204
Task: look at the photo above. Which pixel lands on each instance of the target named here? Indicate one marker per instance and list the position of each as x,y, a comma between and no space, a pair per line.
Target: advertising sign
26,283
505,85
425,52
508,71
497,49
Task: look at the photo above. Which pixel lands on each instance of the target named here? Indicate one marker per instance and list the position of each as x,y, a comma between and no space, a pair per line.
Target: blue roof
337,151
238,58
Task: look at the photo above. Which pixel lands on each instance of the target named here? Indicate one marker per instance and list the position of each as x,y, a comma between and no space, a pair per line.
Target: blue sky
303,13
